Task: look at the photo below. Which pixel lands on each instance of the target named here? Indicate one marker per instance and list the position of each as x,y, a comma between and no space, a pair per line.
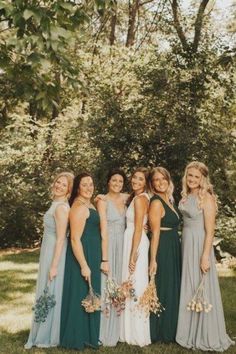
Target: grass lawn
18,273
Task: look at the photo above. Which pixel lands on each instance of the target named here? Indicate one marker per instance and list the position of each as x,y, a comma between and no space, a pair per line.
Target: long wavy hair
205,184
70,178
145,171
166,174
76,185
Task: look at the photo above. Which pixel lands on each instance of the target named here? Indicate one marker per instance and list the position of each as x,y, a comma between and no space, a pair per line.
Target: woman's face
116,183
60,187
86,188
138,182
193,178
160,183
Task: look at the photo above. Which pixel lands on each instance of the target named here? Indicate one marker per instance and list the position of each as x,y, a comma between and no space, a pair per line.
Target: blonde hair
205,184
166,174
70,178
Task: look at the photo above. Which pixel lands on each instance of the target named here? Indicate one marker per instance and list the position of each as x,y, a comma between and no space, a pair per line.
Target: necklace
87,204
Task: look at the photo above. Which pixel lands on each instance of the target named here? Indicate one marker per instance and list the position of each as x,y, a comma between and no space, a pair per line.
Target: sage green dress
80,329
168,276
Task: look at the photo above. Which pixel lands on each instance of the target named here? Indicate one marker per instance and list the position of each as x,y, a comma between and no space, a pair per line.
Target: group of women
130,236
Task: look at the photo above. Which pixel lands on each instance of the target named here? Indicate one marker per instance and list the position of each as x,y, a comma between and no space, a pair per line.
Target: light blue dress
110,326
46,334
204,331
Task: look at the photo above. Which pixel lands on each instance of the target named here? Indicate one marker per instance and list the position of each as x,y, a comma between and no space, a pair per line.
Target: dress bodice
191,212
49,218
114,216
171,218
130,212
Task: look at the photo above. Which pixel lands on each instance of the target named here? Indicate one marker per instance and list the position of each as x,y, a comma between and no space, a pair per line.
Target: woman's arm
140,209
102,210
155,215
209,212
61,220
78,216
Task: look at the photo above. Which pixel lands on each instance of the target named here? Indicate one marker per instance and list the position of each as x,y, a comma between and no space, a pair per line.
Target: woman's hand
204,264
52,273
100,197
132,262
152,268
105,267
86,272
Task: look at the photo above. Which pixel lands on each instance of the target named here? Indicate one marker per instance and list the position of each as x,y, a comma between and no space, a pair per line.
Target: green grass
17,285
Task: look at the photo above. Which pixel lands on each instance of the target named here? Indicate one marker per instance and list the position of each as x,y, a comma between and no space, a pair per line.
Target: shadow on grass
11,281
21,258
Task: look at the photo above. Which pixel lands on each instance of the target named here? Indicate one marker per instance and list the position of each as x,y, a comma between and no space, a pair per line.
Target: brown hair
143,170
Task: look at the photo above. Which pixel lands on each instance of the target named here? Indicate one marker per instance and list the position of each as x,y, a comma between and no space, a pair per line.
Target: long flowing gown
80,329
110,325
135,327
163,328
46,334
204,331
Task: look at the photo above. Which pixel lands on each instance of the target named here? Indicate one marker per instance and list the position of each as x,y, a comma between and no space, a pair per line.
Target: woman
204,331
112,210
134,323
52,262
165,257
80,329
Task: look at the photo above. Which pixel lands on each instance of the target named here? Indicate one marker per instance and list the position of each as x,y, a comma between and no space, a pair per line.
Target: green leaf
27,14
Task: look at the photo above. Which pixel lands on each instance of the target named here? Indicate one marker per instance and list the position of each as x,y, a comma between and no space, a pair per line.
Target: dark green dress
80,329
168,275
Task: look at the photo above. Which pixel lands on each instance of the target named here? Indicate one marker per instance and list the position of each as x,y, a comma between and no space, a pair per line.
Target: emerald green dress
80,329
168,275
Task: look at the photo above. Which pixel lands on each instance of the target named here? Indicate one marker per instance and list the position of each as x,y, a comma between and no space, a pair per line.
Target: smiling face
193,178
60,188
138,182
116,183
160,183
86,188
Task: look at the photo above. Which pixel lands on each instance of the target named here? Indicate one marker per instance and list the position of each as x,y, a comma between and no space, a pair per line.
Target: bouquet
43,305
149,301
115,295
199,301
92,302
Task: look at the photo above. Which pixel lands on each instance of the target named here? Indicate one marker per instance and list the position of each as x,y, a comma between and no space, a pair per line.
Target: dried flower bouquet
92,302
149,301
199,301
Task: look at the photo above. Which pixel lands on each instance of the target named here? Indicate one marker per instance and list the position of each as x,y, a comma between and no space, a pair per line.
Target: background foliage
97,84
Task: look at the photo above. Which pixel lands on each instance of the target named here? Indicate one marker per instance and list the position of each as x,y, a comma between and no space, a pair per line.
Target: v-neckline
117,209
172,209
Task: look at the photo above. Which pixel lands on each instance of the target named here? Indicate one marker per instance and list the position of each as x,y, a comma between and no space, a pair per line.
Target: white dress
134,326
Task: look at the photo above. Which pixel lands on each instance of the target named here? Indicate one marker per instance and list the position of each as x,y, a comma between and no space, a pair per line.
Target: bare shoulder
79,211
101,204
141,200
209,201
125,196
61,210
156,204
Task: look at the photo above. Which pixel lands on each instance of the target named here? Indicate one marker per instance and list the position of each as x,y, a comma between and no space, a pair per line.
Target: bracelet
103,260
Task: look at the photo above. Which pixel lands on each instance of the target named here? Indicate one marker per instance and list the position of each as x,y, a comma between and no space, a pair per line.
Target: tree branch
177,25
198,24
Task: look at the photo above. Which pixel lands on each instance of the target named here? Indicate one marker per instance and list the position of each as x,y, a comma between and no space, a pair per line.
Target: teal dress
47,334
80,329
168,276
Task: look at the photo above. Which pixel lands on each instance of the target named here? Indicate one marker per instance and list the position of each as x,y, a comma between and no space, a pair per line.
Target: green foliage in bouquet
43,305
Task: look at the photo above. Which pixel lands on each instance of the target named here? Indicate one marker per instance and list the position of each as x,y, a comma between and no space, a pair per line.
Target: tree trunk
133,10
113,24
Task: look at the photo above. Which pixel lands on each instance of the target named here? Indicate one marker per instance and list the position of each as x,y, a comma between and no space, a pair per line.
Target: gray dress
110,326
46,334
204,331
